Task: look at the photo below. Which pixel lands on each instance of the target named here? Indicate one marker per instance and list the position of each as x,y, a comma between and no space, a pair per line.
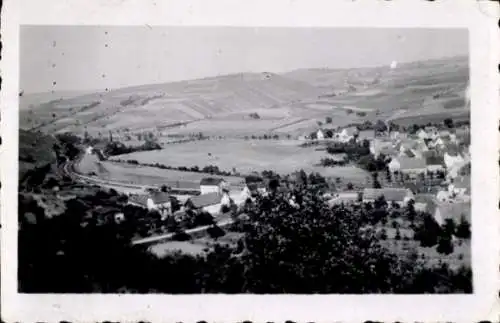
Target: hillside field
288,103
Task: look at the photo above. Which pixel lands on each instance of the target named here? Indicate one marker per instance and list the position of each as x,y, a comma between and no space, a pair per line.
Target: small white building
421,134
320,135
394,165
347,134
89,150
161,202
212,185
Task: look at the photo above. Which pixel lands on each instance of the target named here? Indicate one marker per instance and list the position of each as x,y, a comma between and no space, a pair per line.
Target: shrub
215,232
445,245
181,236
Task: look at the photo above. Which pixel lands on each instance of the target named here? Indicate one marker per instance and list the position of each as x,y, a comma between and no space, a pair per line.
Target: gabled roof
160,197
350,131
390,194
253,179
211,181
411,163
205,199
139,199
434,160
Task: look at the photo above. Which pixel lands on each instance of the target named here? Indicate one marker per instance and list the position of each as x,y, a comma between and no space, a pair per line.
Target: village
428,167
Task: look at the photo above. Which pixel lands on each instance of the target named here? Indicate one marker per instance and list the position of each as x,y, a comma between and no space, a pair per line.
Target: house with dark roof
209,202
161,202
396,195
435,163
212,185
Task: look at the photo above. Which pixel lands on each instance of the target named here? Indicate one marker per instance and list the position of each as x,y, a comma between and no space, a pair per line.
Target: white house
160,201
421,134
89,150
212,185
394,165
452,161
400,196
347,134
320,135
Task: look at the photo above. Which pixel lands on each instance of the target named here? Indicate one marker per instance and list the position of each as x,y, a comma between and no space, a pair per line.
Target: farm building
255,184
344,198
412,166
161,202
320,135
454,211
209,202
212,185
407,165
397,195
385,147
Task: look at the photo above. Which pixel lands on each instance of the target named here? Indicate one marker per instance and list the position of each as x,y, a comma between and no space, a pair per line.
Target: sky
88,58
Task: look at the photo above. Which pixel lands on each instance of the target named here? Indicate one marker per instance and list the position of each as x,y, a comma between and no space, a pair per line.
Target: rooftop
411,163
434,160
211,181
160,197
455,211
205,199
390,194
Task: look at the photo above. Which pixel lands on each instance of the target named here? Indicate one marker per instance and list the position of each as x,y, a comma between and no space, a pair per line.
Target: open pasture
143,175
246,156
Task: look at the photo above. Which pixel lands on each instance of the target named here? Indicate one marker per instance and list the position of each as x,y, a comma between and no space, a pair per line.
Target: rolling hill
210,104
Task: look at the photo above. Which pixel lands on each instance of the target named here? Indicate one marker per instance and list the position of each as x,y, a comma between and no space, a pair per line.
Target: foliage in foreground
305,248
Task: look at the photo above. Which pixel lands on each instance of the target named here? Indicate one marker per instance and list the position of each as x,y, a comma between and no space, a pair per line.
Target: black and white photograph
244,160
215,160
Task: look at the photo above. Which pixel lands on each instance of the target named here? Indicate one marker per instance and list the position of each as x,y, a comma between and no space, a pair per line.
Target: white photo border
481,21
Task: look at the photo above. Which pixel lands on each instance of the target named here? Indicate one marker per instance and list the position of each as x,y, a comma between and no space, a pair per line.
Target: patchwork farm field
246,156
288,103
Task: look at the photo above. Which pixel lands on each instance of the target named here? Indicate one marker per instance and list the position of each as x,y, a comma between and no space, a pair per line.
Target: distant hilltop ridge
292,96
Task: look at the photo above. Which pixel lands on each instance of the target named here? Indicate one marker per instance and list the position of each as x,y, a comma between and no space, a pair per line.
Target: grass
140,175
194,247
282,156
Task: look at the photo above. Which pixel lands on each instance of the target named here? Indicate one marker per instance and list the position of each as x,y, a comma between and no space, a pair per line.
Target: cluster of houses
441,155
427,153
215,194
344,135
